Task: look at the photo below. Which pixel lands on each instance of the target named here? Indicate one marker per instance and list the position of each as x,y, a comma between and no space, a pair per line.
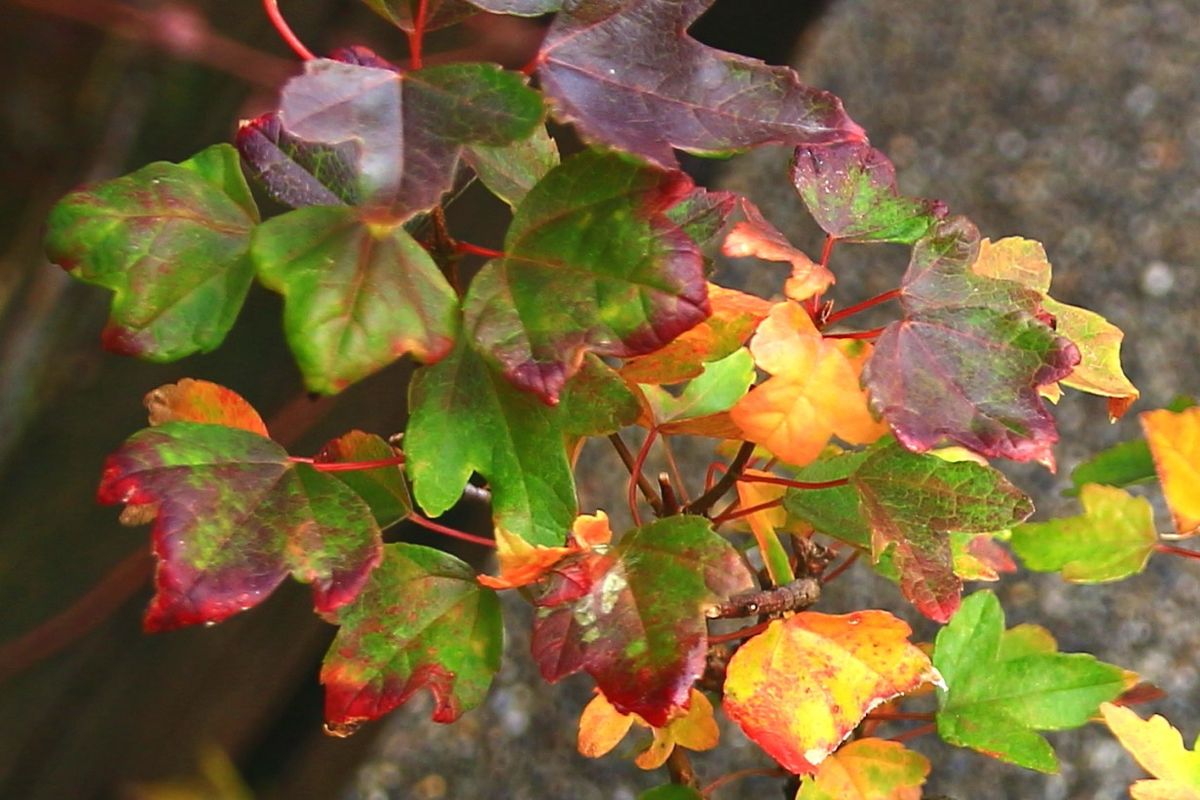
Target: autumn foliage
837,449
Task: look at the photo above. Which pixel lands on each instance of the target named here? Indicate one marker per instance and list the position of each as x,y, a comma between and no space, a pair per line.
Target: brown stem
842,567
680,767
676,474
671,504
643,482
795,596
740,633
920,730
702,504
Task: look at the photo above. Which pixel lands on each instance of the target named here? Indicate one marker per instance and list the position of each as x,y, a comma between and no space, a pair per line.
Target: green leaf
170,241
850,189
834,511
421,621
596,401
716,389
1112,539
510,171
233,515
912,502
357,295
672,791
996,704
1124,464
383,488
592,264
467,418
633,616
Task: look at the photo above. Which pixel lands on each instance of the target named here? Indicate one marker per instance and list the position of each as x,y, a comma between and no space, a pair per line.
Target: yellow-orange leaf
1175,444
758,238
602,727
814,392
1158,747
868,769
193,400
799,688
522,563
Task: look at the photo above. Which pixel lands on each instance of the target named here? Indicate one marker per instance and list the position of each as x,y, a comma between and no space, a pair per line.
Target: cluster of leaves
598,317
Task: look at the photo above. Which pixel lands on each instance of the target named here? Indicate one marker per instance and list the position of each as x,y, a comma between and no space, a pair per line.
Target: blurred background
1076,123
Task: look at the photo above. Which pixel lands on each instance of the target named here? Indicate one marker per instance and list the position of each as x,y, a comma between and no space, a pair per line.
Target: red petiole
871,334
417,37
850,311
745,478
347,466
285,32
437,527
476,250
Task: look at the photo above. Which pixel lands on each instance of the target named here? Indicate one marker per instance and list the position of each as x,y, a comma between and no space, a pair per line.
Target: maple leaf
625,279
192,400
965,364
596,401
912,502
800,687
633,616
867,769
1158,747
813,393
233,516
602,727
170,241
998,696
1113,538
467,418
509,171
734,317
1099,341
701,408
1174,439
294,172
421,621
357,294
382,488
407,129
522,563
850,189
627,75
754,236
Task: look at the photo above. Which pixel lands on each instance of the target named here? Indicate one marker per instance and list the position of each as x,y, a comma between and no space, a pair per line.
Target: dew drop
210,623
342,729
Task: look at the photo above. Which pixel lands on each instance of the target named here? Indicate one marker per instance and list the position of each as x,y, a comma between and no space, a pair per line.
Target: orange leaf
522,563
1175,444
193,400
814,394
1158,747
868,769
602,727
759,238
799,688
735,315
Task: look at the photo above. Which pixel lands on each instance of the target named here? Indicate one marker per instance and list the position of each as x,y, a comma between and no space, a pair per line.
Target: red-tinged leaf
357,294
294,172
1174,439
596,401
438,13
700,409
633,616
233,516
192,400
421,621
966,363
850,189
382,488
754,236
170,241
520,8
522,563
467,418
979,557
799,688
626,73
735,315
1159,748
912,501
702,214
868,769
625,279
407,129
509,171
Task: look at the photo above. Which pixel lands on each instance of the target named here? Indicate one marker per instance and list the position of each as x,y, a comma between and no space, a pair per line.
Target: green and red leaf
170,241
633,616
420,622
233,516
382,488
294,172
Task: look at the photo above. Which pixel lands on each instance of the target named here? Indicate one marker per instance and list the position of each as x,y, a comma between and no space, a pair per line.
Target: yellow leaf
868,769
814,394
1158,747
522,563
799,688
1175,444
602,727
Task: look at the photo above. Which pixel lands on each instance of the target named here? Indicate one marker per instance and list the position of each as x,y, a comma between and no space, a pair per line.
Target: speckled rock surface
1076,123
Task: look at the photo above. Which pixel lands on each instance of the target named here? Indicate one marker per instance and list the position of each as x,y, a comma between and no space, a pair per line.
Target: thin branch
840,568
740,633
447,531
794,596
920,730
871,334
284,30
643,482
636,476
752,772
676,474
704,502
670,500
735,513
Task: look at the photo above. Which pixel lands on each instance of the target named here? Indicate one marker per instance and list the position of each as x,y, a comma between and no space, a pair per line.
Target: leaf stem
285,32
680,768
813,304
643,482
476,250
704,502
750,772
740,633
920,730
893,716
417,37
775,479
348,466
447,531
676,474
735,513
840,568
1177,551
850,311
636,477
871,334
